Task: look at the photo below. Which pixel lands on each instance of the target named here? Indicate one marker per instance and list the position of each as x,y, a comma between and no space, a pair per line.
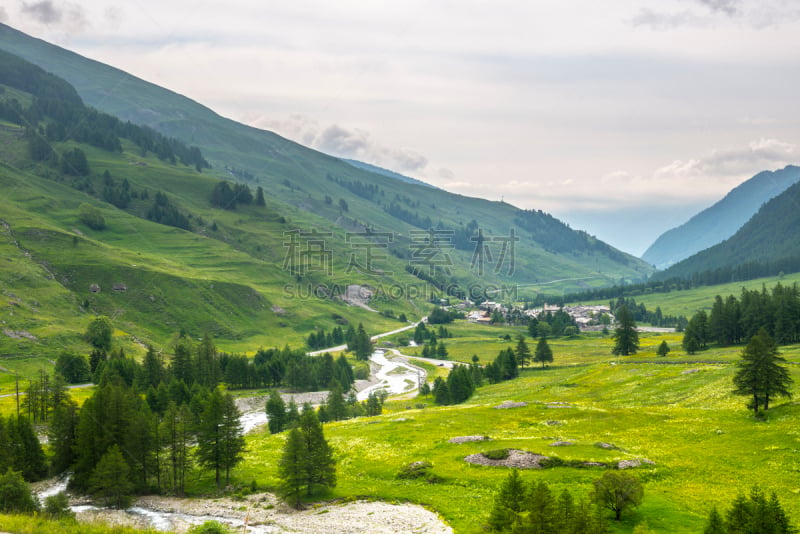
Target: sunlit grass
707,447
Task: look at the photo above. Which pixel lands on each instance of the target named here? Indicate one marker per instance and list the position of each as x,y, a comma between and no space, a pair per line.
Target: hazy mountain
767,244
720,221
386,172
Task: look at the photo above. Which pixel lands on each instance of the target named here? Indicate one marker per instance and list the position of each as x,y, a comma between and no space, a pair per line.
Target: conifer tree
276,413
293,468
321,468
507,503
523,353
110,480
663,348
625,336
760,373
543,354
219,436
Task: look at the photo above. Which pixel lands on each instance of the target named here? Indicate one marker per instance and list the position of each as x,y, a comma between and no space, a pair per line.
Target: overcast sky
620,117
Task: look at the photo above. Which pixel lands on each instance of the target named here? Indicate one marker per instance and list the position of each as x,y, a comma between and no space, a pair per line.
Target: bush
496,454
209,527
57,507
361,371
91,217
419,470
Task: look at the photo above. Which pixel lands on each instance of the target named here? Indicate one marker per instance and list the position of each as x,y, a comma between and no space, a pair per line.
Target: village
588,318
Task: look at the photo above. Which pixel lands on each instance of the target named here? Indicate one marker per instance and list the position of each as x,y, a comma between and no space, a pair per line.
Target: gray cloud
69,16
342,142
734,162
3,14
728,7
666,21
757,14
44,12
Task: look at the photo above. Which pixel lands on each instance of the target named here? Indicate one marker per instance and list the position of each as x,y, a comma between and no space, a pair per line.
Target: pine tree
260,196
321,470
110,481
523,353
335,406
626,337
663,348
219,436
507,503
276,413
441,393
543,354
715,525
62,435
293,467
26,452
760,374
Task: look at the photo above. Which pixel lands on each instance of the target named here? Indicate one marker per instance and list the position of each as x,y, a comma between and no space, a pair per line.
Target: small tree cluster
359,342
321,339
459,386
503,367
521,507
307,461
752,513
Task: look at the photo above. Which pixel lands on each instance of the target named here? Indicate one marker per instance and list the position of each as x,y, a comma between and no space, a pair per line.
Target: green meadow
677,412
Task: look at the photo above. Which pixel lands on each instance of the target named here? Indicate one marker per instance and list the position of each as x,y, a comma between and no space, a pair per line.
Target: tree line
463,380
67,118
733,321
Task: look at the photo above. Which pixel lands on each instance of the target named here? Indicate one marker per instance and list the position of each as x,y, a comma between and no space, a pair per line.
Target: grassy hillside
302,179
674,411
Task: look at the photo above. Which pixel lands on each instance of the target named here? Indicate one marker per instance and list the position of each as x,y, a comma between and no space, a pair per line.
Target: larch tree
626,338
760,373
522,352
543,354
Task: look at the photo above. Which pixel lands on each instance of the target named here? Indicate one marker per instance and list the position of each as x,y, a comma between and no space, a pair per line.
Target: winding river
393,377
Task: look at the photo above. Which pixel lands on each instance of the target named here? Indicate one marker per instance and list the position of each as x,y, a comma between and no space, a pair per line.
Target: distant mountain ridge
766,245
386,172
720,221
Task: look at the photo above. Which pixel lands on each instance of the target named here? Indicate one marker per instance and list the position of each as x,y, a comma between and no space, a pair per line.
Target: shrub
91,217
57,507
209,527
417,471
496,454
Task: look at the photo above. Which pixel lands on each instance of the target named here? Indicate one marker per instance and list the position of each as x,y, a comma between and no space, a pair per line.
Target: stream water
394,377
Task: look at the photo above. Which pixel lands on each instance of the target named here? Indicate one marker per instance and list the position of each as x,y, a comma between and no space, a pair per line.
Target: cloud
3,14
67,15
728,7
740,162
339,141
667,21
758,14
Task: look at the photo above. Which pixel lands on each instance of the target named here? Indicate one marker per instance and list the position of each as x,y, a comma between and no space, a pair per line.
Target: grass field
676,411
688,302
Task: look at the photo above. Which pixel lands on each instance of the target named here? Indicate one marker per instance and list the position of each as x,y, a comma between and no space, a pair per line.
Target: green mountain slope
312,182
769,240
720,221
